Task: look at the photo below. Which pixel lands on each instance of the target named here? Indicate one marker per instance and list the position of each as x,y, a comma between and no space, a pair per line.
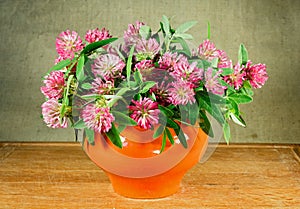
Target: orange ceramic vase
138,170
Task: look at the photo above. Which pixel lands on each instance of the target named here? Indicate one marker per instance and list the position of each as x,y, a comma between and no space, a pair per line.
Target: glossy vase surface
139,170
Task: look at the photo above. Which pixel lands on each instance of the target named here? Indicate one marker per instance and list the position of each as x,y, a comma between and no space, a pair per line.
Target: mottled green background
269,29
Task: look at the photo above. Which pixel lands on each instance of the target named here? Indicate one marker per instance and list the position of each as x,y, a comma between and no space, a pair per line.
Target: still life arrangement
146,95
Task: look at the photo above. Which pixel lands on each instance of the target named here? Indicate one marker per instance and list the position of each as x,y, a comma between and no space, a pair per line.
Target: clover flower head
256,74
68,43
131,35
189,72
97,117
236,79
206,49
100,86
51,114
182,93
54,85
92,36
168,60
147,49
108,66
145,112
223,59
144,65
212,83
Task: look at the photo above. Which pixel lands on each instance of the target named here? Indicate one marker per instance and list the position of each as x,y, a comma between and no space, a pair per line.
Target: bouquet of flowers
149,79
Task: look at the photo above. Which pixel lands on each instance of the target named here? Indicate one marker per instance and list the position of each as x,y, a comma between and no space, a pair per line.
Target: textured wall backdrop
269,29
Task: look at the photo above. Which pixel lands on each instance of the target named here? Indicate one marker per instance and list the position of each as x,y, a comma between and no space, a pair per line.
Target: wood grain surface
60,175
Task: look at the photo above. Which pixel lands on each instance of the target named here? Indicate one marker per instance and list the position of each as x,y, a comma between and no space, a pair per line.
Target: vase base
153,186
146,188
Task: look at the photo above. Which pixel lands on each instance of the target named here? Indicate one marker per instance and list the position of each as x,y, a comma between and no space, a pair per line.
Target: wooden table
60,175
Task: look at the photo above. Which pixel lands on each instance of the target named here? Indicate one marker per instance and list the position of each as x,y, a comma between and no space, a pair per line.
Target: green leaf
91,96
146,86
121,128
226,71
247,88
166,111
214,98
90,136
111,96
156,37
181,136
86,86
234,106
237,119
112,99
122,91
138,77
208,30
247,91
145,32
152,96
66,93
193,111
214,62
119,53
205,124
128,65
158,132
170,137
62,112
70,67
114,136
93,46
79,69
243,55
211,108
240,98
185,47
137,97
79,124
171,107
199,88
166,25
180,51
226,84
171,123
184,36
123,119
185,27
205,64
247,84
226,131
163,143
60,65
